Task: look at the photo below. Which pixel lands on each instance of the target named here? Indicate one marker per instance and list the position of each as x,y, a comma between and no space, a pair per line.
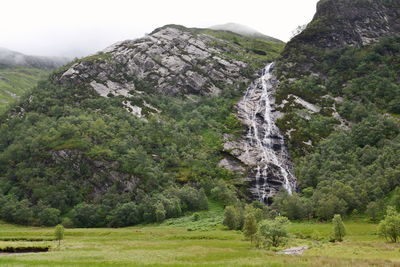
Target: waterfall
265,149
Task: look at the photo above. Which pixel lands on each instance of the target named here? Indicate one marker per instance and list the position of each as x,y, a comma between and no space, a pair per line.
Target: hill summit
243,30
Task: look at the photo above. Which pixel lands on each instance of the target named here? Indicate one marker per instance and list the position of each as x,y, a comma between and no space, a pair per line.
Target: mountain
9,58
137,128
339,96
149,129
19,73
243,30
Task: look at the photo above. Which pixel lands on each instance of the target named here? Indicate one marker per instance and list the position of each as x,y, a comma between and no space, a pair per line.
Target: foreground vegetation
175,243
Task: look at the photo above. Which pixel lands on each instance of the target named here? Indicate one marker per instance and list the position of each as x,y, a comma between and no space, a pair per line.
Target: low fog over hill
243,30
9,58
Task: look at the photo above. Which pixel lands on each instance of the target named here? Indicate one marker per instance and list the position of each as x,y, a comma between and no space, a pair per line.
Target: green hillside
84,157
14,82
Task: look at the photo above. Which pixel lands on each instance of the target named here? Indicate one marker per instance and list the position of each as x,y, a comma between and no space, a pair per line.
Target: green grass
176,242
16,81
258,51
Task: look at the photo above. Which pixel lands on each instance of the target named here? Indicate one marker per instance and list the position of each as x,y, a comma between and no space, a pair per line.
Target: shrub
49,217
389,228
339,231
67,223
271,232
373,211
87,215
231,218
124,215
160,212
250,226
59,233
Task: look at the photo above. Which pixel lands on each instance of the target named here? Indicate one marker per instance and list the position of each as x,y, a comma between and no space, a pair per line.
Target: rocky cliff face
308,94
338,24
353,22
170,61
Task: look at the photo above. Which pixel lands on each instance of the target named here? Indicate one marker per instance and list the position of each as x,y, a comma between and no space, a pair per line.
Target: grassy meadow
197,242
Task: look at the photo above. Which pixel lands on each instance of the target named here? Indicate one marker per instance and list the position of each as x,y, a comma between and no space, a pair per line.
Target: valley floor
178,243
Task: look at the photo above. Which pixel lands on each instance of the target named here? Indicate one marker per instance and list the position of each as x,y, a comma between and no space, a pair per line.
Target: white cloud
80,27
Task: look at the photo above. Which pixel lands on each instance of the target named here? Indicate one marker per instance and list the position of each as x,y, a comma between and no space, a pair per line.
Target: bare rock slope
170,61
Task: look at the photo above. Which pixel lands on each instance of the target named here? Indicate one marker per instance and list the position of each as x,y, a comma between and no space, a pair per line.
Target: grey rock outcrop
337,24
354,22
169,61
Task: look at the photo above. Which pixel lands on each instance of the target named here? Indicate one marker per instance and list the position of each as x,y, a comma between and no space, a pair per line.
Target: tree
49,217
373,211
59,233
160,212
224,193
290,206
389,228
272,232
87,215
250,226
330,205
124,215
395,201
231,218
339,231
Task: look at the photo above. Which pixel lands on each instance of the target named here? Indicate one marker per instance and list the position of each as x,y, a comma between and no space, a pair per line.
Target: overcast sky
80,27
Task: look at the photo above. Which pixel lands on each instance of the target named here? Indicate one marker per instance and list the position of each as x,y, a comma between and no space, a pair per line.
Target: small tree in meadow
389,228
339,231
272,232
231,218
59,233
250,226
373,211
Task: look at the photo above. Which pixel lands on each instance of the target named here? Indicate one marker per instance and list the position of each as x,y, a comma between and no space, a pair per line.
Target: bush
193,199
87,215
125,215
271,232
224,193
160,212
250,226
59,233
339,231
373,211
231,218
49,217
290,206
67,223
389,228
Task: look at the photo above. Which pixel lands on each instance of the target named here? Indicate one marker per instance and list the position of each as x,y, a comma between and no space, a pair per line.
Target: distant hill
19,73
14,82
243,30
9,58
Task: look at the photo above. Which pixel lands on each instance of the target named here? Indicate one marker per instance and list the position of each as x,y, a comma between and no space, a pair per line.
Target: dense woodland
353,170
70,156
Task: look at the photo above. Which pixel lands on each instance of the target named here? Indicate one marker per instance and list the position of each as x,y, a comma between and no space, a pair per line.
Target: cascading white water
264,141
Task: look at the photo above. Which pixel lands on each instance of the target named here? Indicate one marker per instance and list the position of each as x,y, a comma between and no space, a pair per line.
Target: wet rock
262,148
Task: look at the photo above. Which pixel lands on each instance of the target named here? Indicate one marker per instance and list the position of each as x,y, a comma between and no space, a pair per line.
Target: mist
77,28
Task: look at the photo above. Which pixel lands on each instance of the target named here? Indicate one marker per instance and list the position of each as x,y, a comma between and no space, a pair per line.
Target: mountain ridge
9,58
243,30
